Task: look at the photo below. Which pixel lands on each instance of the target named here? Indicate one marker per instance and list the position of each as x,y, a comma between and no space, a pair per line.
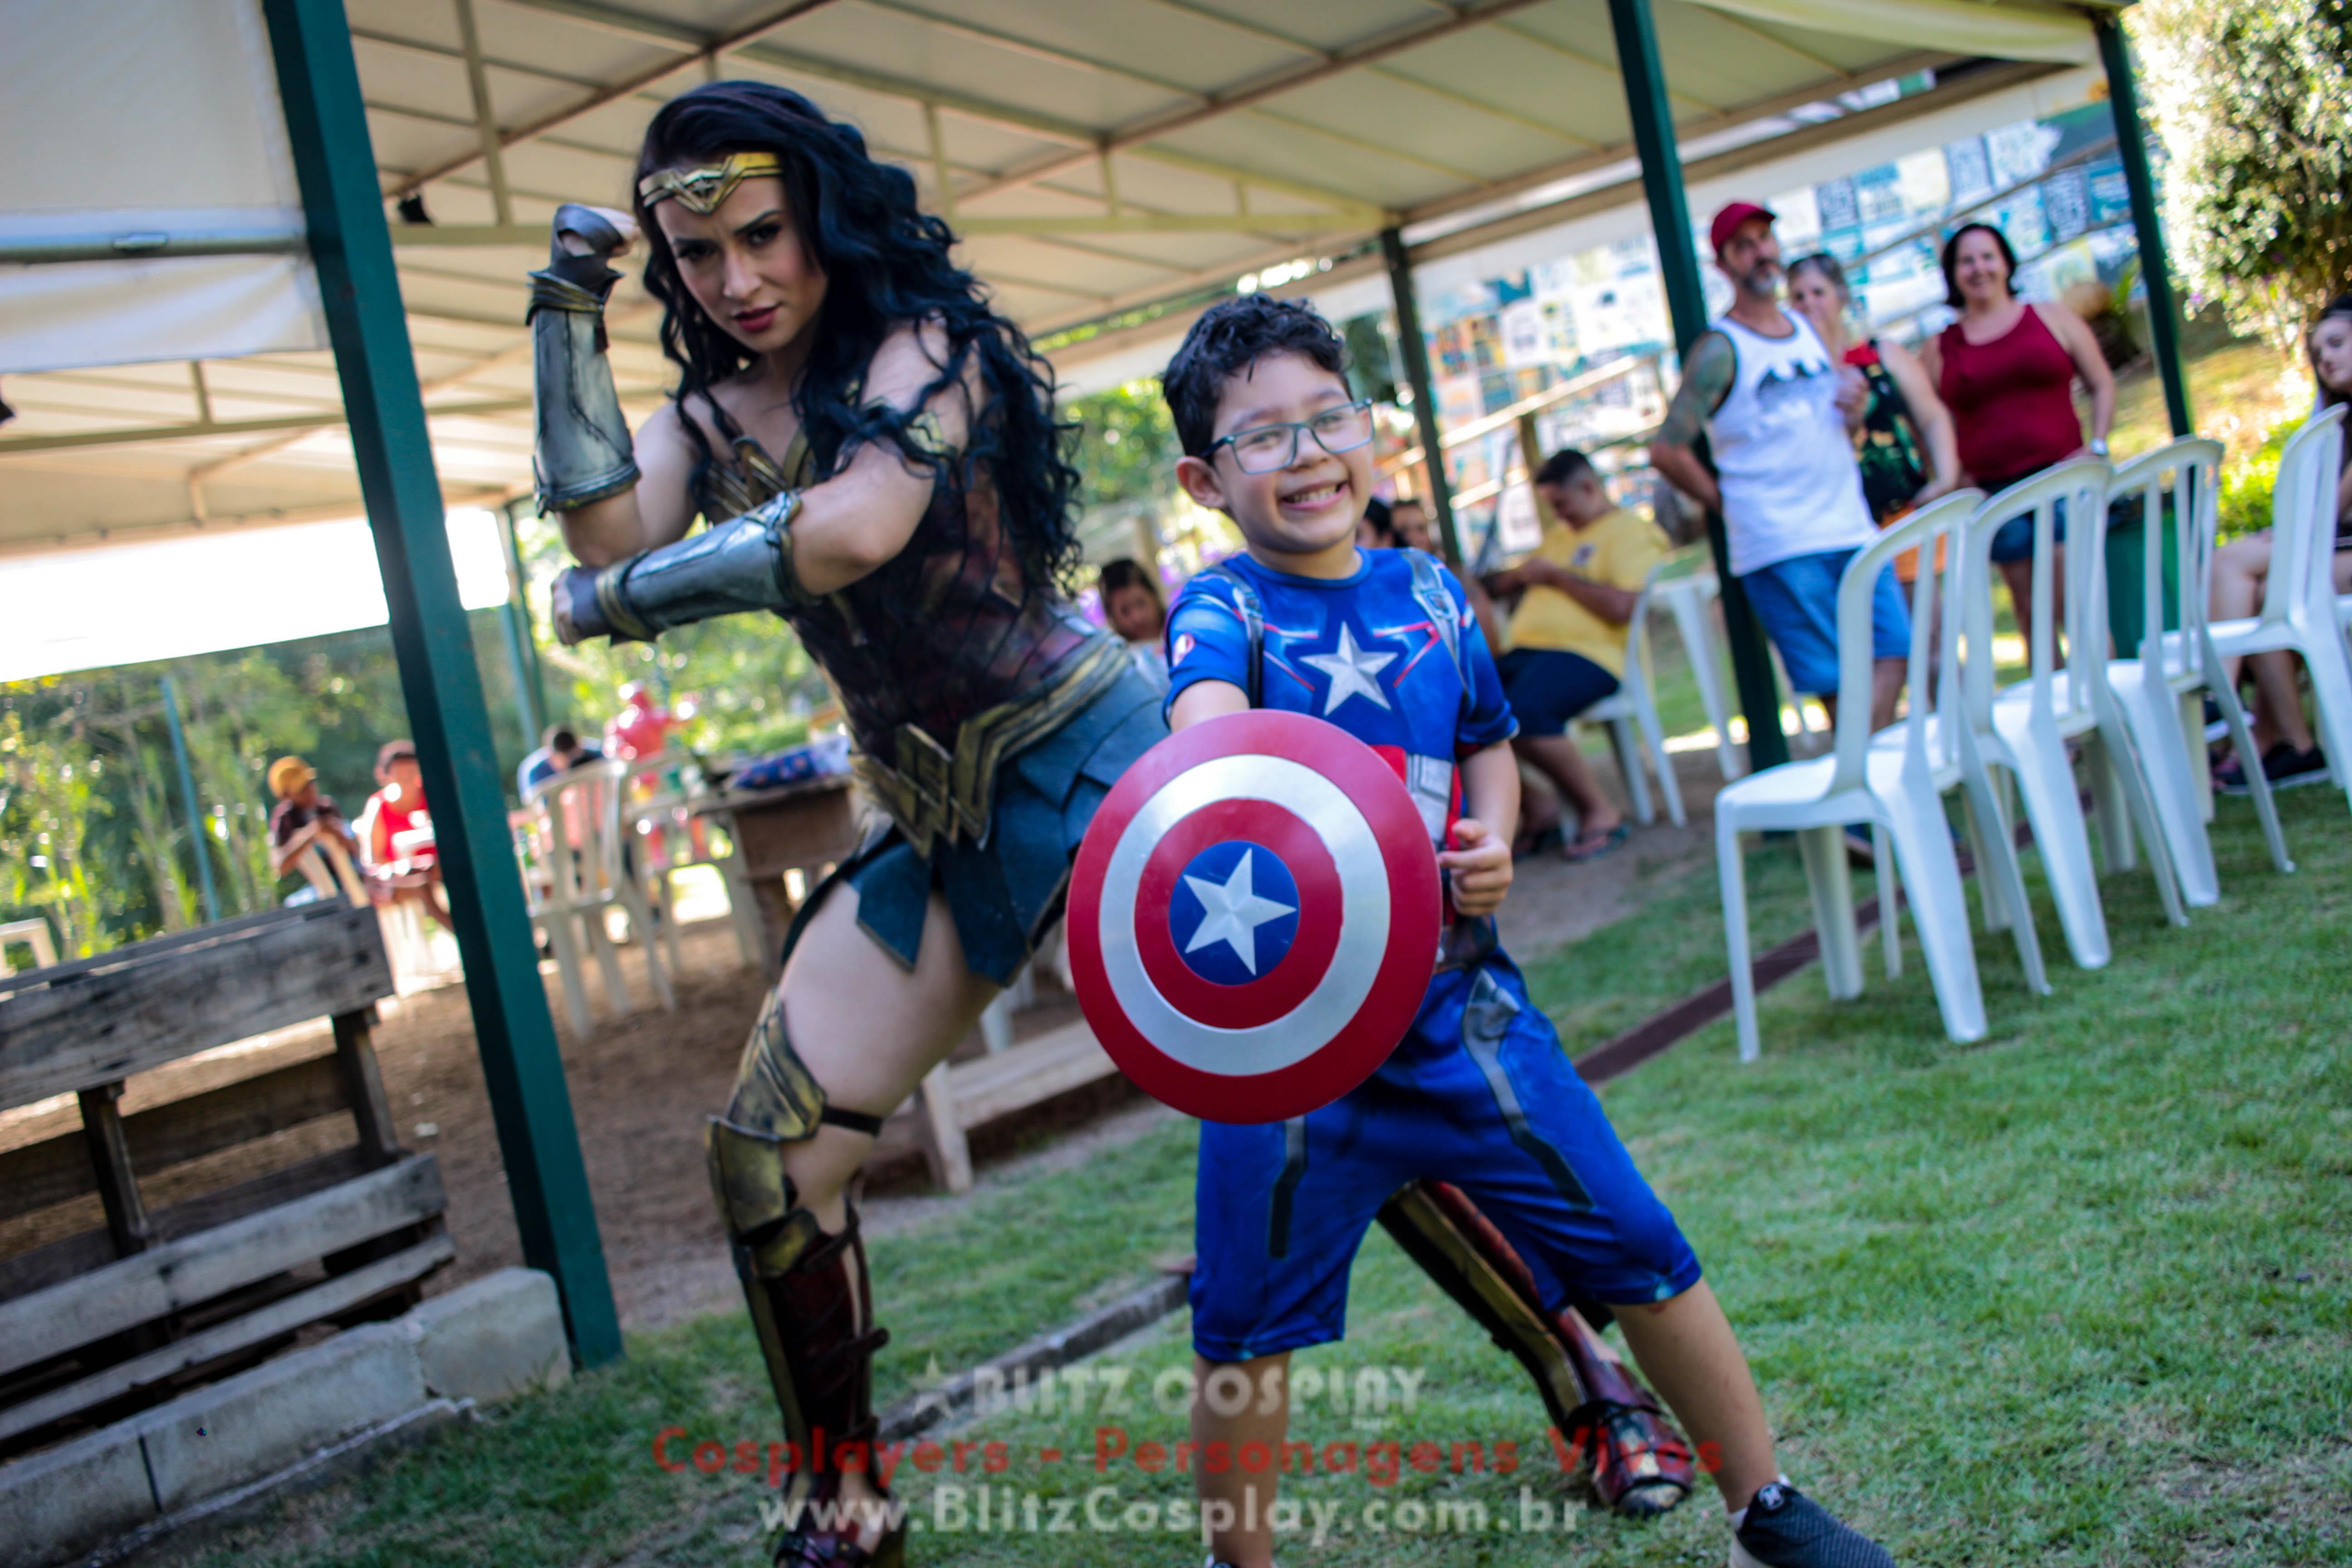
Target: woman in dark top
1906,448
2006,370
2241,574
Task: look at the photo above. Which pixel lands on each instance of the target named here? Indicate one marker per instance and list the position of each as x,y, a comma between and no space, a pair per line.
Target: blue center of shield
1235,912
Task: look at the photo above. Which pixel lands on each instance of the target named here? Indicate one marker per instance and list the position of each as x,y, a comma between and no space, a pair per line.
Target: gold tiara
706,190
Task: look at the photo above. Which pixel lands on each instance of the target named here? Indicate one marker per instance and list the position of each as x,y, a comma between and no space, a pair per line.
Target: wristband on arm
584,452
743,563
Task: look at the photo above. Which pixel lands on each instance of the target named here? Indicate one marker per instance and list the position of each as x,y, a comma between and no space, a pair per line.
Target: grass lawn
2075,1294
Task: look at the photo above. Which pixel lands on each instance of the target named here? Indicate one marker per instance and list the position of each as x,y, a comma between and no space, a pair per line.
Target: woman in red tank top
2006,371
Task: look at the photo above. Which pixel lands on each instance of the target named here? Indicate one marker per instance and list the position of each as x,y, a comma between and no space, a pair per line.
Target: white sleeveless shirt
1786,465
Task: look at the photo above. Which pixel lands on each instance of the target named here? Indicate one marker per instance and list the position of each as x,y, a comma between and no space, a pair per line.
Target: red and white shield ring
1253,916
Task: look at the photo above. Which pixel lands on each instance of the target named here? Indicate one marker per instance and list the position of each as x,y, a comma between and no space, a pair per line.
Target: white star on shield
1354,671
1234,913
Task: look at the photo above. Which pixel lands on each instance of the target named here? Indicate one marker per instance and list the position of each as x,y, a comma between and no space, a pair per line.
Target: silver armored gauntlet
743,563
584,452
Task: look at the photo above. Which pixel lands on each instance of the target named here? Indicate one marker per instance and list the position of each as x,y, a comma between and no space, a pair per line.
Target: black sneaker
2216,727
1786,1529
2283,765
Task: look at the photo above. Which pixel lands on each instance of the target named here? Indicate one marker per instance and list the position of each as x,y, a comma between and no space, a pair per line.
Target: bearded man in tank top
1780,416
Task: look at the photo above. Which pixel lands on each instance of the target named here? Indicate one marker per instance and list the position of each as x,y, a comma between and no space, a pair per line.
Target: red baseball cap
1726,222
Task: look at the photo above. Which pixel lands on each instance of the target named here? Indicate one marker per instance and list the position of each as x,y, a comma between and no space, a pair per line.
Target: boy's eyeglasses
1270,449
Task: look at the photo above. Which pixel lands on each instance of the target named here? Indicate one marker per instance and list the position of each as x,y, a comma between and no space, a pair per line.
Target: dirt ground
641,1088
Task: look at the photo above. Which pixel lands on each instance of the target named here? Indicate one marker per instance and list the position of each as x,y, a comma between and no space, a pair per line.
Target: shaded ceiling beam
520,350
766,22
1741,25
1088,142
485,118
442,52
1350,57
1365,144
672,36
1317,52
1687,130
417,236
303,424
1607,68
329,511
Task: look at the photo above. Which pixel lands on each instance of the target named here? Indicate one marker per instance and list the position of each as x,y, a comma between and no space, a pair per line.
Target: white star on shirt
1234,913
1352,670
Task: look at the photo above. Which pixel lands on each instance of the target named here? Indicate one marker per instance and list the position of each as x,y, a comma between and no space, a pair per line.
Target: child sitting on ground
1479,1095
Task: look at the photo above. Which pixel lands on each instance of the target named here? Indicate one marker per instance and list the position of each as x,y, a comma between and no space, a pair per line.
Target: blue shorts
2013,539
1548,687
1796,600
1480,1094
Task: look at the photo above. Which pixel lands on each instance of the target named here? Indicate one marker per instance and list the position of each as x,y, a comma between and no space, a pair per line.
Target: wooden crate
100,1324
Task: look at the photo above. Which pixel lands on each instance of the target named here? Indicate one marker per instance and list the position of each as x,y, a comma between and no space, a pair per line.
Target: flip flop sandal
1587,846
1544,840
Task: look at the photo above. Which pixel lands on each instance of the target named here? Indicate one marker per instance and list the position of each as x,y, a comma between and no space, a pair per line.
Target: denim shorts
2013,540
1479,1093
1548,687
1796,600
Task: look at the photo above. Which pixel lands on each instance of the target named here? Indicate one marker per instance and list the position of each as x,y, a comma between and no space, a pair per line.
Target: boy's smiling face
1300,518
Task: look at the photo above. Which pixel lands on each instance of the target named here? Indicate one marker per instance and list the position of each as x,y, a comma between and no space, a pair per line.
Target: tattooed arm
1707,372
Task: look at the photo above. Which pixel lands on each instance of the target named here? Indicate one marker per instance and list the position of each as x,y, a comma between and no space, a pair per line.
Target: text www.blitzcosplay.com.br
995,1509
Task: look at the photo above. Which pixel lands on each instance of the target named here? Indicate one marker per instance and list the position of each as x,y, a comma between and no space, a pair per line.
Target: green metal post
2147,222
517,580
510,618
196,835
1661,181
1424,397
352,249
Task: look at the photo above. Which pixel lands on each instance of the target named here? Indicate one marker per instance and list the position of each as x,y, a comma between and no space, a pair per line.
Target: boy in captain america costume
1475,1145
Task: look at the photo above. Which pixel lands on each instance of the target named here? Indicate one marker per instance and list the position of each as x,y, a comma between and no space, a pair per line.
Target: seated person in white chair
561,749
403,874
1575,595
2291,755
302,819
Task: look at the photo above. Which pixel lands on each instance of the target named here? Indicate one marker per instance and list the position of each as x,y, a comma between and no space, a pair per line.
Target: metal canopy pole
352,249
188,802
1661,181
2155,262
1425,398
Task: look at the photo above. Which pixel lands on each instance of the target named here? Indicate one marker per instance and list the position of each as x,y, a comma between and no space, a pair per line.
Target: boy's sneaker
1786,1529
2283,765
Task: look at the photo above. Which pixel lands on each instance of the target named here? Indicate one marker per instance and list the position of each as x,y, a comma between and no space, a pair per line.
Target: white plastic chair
2299,605
2024,728
1895,781
1633,706
2160,688
669,839
577,839
1687,598
32,933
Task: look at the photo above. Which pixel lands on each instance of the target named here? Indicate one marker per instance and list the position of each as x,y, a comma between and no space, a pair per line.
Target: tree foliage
1126,446
2254,101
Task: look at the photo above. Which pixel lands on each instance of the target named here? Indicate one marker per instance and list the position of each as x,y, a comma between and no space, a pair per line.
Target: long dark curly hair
885,262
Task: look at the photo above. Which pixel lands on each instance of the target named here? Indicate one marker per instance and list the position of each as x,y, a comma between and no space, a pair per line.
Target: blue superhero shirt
1360,651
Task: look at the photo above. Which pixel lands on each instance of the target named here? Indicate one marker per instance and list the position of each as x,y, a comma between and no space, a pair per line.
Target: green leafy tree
1126,447
2254,101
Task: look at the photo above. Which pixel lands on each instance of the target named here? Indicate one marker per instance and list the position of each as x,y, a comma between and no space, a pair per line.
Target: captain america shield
1254,915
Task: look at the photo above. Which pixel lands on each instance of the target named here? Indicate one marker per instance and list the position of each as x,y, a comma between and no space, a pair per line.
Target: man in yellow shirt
1575,595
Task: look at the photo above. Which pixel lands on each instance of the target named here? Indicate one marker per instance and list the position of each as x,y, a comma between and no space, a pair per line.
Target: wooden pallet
98,1323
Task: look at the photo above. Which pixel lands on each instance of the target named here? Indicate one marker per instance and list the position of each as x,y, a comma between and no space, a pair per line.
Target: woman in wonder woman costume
875,452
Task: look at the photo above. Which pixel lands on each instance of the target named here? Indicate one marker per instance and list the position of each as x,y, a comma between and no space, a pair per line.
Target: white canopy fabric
2008,32
1116,157
172,127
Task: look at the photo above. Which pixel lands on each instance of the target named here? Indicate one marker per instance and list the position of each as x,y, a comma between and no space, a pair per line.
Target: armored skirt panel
990,719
